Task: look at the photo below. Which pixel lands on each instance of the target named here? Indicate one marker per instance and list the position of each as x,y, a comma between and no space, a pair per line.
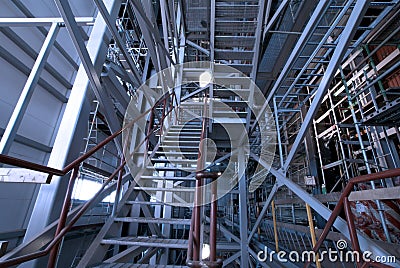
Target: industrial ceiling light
205,252
205,78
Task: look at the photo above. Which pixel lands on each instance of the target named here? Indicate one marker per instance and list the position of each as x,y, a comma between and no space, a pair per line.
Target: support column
65,148
244,253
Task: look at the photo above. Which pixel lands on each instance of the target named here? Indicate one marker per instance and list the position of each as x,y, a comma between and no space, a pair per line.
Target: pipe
275,226
312,233
346,191
63,217
352,228
213,221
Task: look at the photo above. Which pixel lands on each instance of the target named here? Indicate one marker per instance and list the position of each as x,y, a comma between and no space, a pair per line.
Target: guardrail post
275,226
312,233
63,217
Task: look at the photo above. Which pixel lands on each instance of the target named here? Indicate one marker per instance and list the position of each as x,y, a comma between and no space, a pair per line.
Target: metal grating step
167,178
154,220
189,169
147,242
154,189
135,265
149,203
163,243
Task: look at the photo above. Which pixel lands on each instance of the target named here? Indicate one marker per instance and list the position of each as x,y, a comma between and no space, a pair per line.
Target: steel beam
244,244
199,48
50,196
348,32
29,142
276,15
212,31
136,80
21,43
307,32
102,97
231,259
152,37
30,22
27,91
14,61
44,32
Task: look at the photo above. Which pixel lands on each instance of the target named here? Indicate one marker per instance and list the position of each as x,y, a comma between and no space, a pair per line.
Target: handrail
62,228
344,203
194,231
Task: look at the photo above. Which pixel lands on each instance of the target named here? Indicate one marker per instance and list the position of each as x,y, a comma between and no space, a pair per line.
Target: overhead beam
33,54
44,32
27,91
19,65
31,22
29,142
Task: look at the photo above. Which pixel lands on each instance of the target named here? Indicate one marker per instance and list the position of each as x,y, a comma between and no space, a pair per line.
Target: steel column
243,223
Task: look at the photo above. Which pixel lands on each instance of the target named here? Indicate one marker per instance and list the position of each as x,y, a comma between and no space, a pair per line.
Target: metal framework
334,103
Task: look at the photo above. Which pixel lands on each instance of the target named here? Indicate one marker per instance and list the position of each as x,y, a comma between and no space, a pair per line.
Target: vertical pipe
213,222
352,228
275,227
312,233
63,217
197,219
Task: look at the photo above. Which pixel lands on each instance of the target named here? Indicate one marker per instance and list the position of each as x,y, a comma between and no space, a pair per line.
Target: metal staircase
154,217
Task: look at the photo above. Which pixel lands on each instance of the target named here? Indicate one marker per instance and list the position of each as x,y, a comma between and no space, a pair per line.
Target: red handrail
62,228
344,203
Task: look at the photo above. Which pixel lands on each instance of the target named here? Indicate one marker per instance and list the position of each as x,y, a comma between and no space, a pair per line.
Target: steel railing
343,203
62,227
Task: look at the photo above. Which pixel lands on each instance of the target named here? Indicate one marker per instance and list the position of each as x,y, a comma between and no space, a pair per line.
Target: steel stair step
173,161
178,137
178,142
135,265
154,220
171,153
147,242
153,189
189,169
231,54
189,134
167,178
179,148
163,243
149,203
